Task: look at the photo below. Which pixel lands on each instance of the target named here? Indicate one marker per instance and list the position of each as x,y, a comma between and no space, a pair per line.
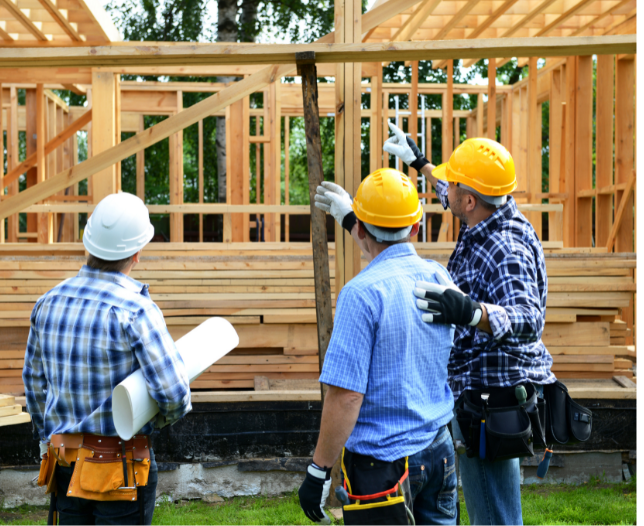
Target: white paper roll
132,405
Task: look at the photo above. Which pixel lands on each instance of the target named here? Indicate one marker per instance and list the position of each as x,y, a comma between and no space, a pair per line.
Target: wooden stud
103,130
378,125
491,99
555,225
480,132
412,123
567,181
287,174
176,178
447,138
375,150
13,223
31,134
604,146
620,213
624,148
140,165
533,144
200,182
584,151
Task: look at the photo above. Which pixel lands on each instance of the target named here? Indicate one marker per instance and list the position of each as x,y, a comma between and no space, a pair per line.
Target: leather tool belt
105,468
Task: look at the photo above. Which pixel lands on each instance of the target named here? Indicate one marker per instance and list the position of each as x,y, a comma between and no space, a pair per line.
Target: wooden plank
604,146
584,150
140,165
415,20
555,220
103,131
491,99
176,177
567,183
10,410
534,143
13,224
45,230
7,400
575,334
256,396
622,212
625,382
15,419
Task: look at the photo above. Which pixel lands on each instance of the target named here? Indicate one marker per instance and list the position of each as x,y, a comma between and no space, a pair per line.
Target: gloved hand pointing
447,304
404,147
313,493
335,200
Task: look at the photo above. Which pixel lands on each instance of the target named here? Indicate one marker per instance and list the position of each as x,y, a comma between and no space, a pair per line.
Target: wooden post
624,149
238,168
323,305
447,141
272,158
104,104
556,150
45,228
491,99
533,144
604,147
567,184
375,150
584,152
176,178
13,223
200,174
31,134
140,165
480,132
378,128
287,169
457,132
413,122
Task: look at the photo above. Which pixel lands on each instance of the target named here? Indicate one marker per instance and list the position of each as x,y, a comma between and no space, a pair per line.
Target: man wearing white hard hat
87,335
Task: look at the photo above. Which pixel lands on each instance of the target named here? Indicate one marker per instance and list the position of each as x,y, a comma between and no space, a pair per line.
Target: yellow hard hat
482,164
387,198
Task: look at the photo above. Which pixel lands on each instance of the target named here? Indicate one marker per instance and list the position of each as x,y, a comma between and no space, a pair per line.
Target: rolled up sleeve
441,192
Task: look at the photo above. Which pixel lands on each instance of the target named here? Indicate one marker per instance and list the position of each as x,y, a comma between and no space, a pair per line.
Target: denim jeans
492,490
73,510
432,476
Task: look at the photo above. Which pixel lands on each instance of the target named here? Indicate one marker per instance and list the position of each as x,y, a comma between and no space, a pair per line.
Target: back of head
387,204
118,228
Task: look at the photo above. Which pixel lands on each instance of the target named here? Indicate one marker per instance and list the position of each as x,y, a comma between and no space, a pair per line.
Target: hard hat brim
440,172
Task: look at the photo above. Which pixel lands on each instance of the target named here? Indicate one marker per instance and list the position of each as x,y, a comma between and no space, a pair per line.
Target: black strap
52,516
141,507
124,458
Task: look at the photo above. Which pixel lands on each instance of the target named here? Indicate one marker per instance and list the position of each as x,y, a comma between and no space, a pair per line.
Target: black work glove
313,493
420,158
447,304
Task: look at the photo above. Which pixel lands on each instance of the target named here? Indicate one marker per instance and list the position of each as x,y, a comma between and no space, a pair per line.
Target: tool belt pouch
511,429
567,421
46,474
379,492
99,471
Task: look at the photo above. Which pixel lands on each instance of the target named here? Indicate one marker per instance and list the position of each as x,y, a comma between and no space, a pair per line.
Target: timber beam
170,53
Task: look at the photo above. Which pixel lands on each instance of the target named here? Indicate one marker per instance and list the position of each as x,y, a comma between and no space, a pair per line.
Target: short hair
405,239
108,266
487,206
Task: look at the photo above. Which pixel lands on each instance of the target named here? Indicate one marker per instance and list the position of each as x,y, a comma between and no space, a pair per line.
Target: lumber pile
266,290
11,412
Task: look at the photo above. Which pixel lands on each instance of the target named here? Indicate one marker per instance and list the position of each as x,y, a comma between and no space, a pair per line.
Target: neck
478,215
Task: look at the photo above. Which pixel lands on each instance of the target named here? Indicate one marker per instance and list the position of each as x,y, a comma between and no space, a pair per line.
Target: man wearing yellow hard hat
498,307
389,402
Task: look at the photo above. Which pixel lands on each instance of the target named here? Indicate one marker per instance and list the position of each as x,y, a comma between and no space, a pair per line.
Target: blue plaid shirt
87,335
381,348
500,263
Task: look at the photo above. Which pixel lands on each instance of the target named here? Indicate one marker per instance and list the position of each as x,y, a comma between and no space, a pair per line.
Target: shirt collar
117,278
395,251
483,229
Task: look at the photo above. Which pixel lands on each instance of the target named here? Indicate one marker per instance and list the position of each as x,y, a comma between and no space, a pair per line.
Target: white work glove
44,447
405,148
447,304
313,493
335,200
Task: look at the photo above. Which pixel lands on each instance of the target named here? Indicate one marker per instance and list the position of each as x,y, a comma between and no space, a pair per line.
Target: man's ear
361,231
414,230
471,203
136,258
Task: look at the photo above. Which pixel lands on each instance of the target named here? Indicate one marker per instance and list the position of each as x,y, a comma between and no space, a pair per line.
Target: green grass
591,503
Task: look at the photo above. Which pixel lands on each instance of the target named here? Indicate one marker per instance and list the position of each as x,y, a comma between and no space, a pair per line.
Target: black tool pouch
511,430
379,491
567,421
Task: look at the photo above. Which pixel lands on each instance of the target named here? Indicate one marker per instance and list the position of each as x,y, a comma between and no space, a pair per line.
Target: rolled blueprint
132,405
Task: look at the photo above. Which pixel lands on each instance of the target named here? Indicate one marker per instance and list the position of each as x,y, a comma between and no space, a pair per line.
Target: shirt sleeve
441,192
163,368
516,309
348,358
33,376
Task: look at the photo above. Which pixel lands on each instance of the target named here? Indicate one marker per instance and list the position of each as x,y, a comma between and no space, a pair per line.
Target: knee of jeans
447,497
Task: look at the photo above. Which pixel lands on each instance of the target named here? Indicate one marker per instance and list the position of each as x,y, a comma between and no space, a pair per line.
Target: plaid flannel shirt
87,335
500,263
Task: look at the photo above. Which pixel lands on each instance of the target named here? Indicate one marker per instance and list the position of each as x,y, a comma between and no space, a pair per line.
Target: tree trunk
226,32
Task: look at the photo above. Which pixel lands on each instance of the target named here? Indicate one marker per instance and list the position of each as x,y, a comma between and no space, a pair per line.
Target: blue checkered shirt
500,263
381,348
87,335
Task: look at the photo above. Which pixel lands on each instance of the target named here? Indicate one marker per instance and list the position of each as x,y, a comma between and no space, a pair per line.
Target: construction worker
87,335
498,303
388,402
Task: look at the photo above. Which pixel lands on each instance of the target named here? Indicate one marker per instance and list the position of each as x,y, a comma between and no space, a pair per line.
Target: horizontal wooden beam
170,53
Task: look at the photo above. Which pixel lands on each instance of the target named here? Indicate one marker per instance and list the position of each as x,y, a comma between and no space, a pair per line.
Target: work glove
447,304
44,448
404,147
335,200
313,493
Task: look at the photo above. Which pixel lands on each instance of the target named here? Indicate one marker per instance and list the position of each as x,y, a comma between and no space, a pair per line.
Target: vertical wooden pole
378,129
491,99
521,156
480,131
533,144
140,165
555,136
238,167
375,150
117,126
604,146
272,159
413,122
45,230
13,222
428,143
176,178
584,151
457,132
74,160
448,136
624,148
276,152
385,125
31,134
104,105
287,173
200,174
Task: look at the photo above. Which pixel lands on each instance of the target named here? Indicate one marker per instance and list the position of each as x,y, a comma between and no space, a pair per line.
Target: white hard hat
118,228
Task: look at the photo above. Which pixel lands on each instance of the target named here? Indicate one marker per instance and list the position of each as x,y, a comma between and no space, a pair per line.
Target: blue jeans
72,510
492,490
432,476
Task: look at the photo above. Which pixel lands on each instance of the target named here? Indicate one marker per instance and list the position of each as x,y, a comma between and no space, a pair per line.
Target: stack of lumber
11,412
266,290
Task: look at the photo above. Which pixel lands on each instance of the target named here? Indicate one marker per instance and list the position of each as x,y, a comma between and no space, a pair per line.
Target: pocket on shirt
448,494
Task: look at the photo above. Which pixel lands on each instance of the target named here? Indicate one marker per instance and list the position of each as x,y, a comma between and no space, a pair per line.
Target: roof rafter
67,26
22,16
471,4
606,13
416,19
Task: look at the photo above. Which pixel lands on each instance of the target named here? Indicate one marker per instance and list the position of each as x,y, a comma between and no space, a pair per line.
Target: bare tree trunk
248,29
226,32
